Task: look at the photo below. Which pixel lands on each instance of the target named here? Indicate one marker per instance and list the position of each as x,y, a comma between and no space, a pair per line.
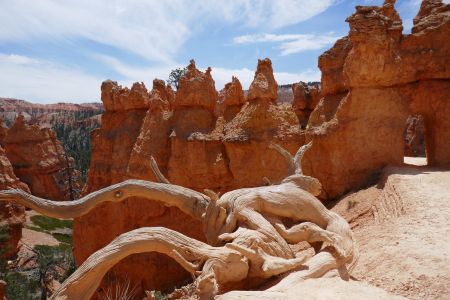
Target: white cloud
46,82
17,59
133,74
261,38
290,43
287,12
27,78
146,74
152,29
143,28
307,42
222,76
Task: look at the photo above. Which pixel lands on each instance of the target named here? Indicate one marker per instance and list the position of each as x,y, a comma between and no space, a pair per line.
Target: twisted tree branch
189,253
189,201
159,175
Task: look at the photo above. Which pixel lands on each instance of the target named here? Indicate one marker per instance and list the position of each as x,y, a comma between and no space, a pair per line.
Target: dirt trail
32,238
404,235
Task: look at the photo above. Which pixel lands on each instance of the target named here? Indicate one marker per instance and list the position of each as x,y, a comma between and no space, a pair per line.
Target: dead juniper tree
248,231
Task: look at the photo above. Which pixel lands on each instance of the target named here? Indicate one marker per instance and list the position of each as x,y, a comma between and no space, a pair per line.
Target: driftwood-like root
222,264
294,162
159,175
310,233
246,238
266,266
295,172
189,201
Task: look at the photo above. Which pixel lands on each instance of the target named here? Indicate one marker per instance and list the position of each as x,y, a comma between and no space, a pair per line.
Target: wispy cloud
46,82
152,29
149,31
290,43
221,76
139,27
28,78
280,13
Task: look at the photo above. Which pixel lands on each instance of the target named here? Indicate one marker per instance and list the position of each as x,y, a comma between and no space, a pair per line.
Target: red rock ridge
39,160
12,216
372,81
306,98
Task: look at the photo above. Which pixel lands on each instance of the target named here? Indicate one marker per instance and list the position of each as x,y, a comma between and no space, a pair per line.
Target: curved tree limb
298,157
189,201
288,156
268,265
316,267
295,172
159,175
310,233
190,253
266,181
294,162
213,196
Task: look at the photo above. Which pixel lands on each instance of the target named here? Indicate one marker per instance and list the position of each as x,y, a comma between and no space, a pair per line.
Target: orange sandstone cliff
12,216
372,80
39,160
306,98
136,124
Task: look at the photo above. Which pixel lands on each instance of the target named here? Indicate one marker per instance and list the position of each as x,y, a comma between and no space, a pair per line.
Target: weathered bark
189,201
244,228
191,254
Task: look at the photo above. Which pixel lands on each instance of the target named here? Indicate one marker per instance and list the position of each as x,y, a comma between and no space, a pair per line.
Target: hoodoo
372,80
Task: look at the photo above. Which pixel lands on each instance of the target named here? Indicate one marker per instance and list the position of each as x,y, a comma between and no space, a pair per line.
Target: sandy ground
402,226
26,257
317,289
404,238
32,238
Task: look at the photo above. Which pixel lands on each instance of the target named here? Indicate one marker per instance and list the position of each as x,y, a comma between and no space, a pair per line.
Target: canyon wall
200,139
372,80
12,216
43,114
72,124
40,161
306,97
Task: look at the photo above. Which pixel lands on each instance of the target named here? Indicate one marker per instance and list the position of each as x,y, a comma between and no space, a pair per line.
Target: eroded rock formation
372,81
40,161
230,101
264,87
197,158
258,123
306,98
200,139
129,135
12,215
3,131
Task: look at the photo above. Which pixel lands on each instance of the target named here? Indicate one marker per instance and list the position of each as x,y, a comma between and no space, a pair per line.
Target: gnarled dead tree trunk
245,229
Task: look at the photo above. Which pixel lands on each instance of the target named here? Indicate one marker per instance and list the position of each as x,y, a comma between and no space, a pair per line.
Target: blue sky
61,51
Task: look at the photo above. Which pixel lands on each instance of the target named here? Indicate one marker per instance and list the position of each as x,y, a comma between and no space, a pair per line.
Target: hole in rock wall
415,143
